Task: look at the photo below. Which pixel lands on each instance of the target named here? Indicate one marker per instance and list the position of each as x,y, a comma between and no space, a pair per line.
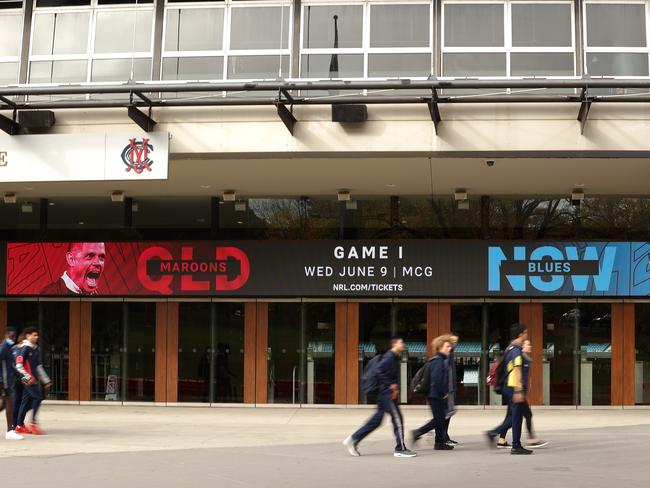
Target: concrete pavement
286,447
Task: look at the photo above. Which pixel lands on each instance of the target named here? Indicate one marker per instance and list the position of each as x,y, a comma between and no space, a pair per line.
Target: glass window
258,67
270,25
211,352
97,213
53,342
60,33
107,351
58,71
642,360
284,358
332,66
318,363
123,31
500,317
463,65
616,25
542,64
617,64
467,322
8,73
140,357
375,330
474,25
560,371
399,26
11,32
321,28
123,351
107,70
194,29
595,353
205,68
411,324
165,213
540,25
399,65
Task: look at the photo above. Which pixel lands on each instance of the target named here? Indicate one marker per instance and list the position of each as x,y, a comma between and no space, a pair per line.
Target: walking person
18,385
437,395
388,378
7,378
29,366
514,391
453,383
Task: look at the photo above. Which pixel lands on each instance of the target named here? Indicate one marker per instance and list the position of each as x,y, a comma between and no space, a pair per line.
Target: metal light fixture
10,198
229,196
117,196
344,195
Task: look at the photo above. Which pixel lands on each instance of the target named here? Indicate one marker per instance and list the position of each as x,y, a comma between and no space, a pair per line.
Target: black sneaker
404,453
536,444
452,442
443,447
503,445
491,438
520,450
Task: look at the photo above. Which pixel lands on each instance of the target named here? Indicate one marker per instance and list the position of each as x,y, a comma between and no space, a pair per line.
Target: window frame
366,50
15,59
508,49
226,52
615,50
94,9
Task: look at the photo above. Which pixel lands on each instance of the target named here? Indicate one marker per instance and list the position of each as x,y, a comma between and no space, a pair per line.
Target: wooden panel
352,383
85,351
250,341
3,317
261,353
161,352
172,352
629,352
340,353
444,318
74,349
617,354
531,315
432,325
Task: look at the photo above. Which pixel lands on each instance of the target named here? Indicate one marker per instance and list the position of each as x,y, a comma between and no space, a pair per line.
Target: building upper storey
104,41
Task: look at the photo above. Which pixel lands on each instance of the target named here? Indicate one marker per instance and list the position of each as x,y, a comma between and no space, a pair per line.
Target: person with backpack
453,383
7,377
382,375
31,371
437,394
513,388
533,441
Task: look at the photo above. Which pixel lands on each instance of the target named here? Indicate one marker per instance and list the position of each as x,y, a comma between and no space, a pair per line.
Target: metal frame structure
290,93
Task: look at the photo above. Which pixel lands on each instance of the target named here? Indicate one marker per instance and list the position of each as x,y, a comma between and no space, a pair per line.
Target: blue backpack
369,379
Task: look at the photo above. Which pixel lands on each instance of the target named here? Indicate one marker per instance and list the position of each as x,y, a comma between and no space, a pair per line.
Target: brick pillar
160,392
261,353
623,354
85,351
172,352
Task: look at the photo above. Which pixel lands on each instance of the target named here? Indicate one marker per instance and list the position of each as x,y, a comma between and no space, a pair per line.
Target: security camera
490,162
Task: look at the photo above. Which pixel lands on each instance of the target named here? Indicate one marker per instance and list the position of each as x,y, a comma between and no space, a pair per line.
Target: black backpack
369,380
421,381
500,372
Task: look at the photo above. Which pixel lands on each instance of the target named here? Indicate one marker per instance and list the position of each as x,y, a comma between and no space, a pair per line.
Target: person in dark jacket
437,395
388,376
7,378
453,383
31,371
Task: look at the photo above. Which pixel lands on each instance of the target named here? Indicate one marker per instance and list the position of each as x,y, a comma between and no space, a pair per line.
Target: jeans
514,418
32,398
437,422
385,405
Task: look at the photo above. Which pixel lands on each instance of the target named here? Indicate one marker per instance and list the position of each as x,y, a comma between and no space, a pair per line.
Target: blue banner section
569,269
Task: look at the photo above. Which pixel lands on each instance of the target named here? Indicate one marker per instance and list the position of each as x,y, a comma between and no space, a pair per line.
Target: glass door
560,368
284,355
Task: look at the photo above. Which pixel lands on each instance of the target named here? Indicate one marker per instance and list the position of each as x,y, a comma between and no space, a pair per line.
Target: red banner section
121,268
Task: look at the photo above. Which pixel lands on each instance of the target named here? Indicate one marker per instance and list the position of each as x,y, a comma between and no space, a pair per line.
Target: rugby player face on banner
86,264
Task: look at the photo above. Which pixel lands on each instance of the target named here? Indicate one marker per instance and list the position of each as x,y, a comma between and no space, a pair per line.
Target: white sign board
84,157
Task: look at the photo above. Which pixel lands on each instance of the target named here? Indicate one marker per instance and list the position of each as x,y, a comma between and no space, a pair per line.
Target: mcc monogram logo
135,155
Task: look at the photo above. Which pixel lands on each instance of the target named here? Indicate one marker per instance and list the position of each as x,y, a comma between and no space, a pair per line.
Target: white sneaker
12,436
352,446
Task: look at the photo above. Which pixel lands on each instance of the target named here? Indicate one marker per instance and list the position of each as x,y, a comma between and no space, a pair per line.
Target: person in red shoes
28,365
